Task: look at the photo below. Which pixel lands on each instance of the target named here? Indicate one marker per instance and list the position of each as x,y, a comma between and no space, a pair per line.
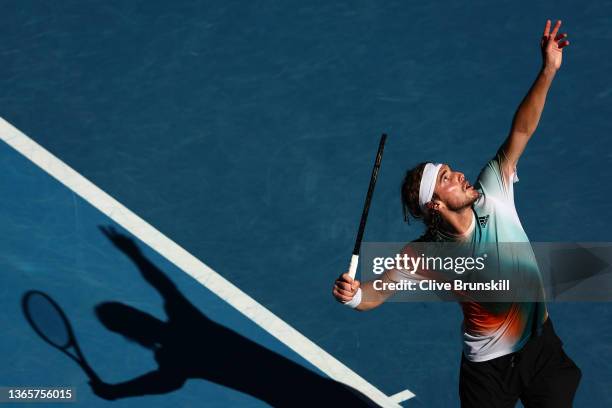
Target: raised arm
527,116
151,273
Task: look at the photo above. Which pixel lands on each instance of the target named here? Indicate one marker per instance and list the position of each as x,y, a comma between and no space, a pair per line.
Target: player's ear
435,205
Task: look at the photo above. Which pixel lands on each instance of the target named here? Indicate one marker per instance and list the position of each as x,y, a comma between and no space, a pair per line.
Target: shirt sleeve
497,178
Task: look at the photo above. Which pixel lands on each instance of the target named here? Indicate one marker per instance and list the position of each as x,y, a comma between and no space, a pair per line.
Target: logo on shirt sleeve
483,221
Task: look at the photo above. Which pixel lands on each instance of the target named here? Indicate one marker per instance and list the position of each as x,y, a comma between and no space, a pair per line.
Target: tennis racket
50,322
366,208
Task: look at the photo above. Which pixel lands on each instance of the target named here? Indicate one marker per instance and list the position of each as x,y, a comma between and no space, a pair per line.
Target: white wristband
355,301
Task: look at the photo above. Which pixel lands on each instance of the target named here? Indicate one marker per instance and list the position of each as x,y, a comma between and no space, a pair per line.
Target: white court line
191,265
402,396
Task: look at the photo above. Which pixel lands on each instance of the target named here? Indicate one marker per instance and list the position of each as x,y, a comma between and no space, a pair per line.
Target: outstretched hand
552,45
121,241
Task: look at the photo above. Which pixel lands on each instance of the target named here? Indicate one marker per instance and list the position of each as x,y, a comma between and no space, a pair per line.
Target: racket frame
366,207
78,357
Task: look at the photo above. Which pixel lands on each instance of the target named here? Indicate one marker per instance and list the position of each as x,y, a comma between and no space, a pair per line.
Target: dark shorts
540,375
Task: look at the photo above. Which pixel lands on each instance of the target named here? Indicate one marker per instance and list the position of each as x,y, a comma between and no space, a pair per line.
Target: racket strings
48,320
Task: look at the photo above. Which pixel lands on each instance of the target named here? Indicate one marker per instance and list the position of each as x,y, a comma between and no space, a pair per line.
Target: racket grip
353,266
93,377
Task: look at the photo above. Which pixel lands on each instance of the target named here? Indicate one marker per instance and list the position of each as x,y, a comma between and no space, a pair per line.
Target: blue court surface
193,174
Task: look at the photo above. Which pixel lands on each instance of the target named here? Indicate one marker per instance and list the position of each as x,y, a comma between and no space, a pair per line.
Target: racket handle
93,377
353,266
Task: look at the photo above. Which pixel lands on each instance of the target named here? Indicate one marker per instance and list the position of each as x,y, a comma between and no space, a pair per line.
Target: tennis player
510,350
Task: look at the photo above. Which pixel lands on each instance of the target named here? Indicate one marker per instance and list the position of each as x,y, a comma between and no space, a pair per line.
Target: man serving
510,349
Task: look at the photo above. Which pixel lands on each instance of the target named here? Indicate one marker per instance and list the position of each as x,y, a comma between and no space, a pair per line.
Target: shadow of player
189,345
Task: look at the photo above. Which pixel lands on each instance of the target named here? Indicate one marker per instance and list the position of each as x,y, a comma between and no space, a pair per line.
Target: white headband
428,183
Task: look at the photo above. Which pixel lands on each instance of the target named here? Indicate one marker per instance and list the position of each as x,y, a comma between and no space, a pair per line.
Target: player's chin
472,194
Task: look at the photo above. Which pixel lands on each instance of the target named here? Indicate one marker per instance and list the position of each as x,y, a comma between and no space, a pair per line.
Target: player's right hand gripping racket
50,322
366,208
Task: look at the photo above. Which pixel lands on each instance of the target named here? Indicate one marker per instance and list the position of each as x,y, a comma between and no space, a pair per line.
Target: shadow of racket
50,322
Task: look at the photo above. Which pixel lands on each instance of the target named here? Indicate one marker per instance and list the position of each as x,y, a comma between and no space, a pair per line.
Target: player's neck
458,223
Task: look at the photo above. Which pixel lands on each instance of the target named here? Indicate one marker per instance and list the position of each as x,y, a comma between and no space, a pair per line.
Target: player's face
454,190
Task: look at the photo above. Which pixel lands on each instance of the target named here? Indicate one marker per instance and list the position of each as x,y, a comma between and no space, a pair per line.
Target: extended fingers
555,29
547,29
548,35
